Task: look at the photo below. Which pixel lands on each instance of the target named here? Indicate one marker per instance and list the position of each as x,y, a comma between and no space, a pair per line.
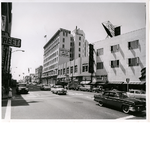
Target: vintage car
139,94
97,89
58,89
120,100
85,88
45,87
22,88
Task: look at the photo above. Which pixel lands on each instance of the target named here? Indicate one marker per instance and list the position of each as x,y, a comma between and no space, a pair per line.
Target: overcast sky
31,21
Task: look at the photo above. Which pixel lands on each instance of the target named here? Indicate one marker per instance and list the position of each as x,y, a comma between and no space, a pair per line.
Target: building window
61,72
76,68
63,39
79,49
133,44
79,37
71,69
79,43
79,55
68,70
58,72
100,51
115,64
84,67
133,61
63,33
115,48
63,46
100,65
64,71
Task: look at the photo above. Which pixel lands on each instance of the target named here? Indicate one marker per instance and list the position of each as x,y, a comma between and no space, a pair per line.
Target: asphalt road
75,105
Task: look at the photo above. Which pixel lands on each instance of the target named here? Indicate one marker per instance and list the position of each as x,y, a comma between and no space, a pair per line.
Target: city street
46,105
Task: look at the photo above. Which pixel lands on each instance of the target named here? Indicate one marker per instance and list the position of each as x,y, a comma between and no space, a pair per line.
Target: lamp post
18,50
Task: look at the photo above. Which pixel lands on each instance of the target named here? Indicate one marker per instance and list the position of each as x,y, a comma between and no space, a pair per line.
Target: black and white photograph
75,61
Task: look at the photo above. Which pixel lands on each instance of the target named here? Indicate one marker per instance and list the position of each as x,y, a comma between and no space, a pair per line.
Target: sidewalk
6,96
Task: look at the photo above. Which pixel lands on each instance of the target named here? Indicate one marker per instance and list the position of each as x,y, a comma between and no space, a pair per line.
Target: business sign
3,22
10,41
64,53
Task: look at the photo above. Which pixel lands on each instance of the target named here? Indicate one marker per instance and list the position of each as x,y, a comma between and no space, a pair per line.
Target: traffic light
91,58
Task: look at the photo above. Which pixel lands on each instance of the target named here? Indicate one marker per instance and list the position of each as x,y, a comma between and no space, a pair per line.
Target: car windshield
122,95
59,86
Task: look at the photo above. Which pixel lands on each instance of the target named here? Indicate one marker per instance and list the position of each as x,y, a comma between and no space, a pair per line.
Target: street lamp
18,50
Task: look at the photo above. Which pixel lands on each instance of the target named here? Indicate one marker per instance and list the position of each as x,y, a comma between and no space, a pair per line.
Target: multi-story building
77,68
56,52
116,59
38,74
121,57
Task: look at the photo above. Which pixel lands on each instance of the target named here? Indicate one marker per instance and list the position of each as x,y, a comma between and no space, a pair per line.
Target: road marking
8,110
127,117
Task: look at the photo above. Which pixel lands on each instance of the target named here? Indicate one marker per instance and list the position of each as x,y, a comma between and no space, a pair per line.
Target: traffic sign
127,80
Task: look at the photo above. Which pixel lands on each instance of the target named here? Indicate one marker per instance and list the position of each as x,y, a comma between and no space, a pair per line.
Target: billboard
110,29
64,53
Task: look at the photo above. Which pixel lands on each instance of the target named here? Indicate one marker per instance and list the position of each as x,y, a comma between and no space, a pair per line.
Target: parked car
139,94
22,88
120,100
58,89
45,87
97,89
85,88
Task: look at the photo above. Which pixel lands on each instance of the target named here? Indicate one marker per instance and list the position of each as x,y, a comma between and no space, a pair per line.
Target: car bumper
62,92
137,108
23,91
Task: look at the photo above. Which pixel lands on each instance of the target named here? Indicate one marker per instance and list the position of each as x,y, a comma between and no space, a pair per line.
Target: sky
31,21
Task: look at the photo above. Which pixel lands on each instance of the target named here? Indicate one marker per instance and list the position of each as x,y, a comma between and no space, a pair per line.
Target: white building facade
115,59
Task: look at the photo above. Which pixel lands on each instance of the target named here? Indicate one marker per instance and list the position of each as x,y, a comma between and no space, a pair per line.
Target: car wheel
100,103
125,109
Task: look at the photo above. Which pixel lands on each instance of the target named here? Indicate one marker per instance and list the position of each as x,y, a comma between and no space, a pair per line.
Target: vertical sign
3,23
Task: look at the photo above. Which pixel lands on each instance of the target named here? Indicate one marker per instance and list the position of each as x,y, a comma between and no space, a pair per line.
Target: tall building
56,52
116,59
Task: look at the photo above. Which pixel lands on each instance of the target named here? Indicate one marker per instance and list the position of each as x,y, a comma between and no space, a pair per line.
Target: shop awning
136,82
85,82
115,82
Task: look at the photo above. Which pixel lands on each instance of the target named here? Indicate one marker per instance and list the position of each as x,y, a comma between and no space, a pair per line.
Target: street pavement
45,105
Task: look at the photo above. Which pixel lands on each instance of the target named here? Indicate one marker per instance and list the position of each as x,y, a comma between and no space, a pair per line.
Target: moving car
139,94
120,100
45,87
85,88
58,89
22,88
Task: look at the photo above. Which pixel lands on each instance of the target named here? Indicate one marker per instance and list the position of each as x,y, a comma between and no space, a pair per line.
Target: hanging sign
10,41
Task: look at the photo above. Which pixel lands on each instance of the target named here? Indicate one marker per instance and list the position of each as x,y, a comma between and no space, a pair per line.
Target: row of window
51,62
51,67
53,44
115,48
75,68
115,63
51,56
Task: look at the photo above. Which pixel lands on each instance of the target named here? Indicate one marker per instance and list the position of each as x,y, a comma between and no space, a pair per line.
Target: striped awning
115,82
136,82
